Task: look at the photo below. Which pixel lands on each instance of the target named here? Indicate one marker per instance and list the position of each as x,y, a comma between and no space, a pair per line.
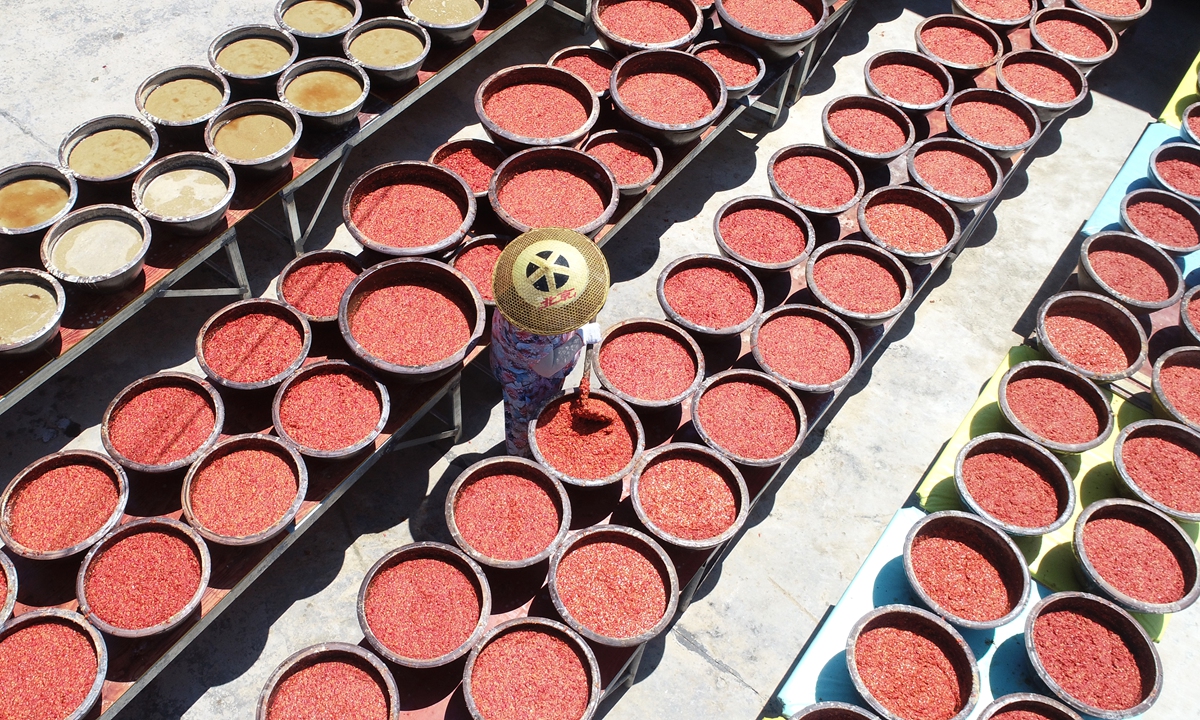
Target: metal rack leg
456,408
813,57
688,592
282,236
584,18
293,221
795,89
775,111
634,663
233,253
454,433
300,237
781,103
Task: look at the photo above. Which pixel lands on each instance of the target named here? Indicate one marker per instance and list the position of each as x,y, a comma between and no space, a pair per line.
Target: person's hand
559,357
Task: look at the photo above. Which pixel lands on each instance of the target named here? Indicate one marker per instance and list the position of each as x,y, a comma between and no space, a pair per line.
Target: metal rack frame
446,391
239,287
228,241
787,90
870,352
297,233
797,73
449,392
872,340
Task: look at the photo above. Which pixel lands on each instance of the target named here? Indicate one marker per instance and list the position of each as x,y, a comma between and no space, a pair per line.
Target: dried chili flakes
908,672
748,419
763,234
253,347
773,17
1165,470
1162,224
1182,175
1129,275
710,297
688,497
408,214
908,226
1023,714
1053,410
1088,659
1072,38
990,122
857,282
536,110
1000,9
478,263
506,516
422,608
526,674
954,173
815,181
804,349
736,67
1193,123
1011,487
162,425
1193,312
329,689
1084,338
612,588
475,164
1040,82
665,97
142,579
908,83
1134,559
867,130
1181,384
1113,7
586,439
411,324
960,45
630,161
61,507
647,365
329,410
316,289
550,197
244,491
958,567
49,669
645,21
595,69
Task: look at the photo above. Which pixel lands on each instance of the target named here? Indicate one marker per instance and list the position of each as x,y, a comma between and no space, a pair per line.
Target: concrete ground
67,62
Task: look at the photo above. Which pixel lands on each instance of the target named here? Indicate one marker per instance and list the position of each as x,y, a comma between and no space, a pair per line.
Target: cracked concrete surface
66,63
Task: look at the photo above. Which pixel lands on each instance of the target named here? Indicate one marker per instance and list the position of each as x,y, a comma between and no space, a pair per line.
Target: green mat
1051,561
1184,95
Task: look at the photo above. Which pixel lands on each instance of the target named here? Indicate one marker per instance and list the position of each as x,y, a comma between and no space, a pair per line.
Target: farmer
549,284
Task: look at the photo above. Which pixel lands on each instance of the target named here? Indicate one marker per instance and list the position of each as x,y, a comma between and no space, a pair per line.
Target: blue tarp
1134,175
821,674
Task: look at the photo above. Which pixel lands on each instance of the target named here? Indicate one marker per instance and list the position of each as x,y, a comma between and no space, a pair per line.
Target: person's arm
563,355
559,357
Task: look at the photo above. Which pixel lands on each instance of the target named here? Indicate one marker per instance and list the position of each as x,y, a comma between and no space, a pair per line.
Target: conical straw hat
550,281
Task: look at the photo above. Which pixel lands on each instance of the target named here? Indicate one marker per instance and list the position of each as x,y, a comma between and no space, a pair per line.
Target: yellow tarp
1051,561
1185,95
